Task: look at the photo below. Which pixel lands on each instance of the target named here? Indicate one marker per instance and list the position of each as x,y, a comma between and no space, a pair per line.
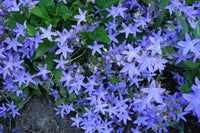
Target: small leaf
49,61
14,18
197,30
186,88
171,123
102,4
46,3
184,25
57,75
190,1
42,49
163,4
72,97
33,86
168,50
31,30
114,80
63,11
100,34
60,101
191,65
36,90
159,19
63,91
54,21
40,12
21,104
189,75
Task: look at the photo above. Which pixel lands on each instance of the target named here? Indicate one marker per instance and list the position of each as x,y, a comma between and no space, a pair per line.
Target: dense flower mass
118,66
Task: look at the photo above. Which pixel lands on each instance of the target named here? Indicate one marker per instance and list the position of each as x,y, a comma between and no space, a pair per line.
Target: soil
38,116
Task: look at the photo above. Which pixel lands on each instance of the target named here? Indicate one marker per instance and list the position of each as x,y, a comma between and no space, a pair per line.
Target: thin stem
4,96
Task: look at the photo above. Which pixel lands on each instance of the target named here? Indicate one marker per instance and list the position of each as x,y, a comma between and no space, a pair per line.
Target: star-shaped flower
62,37
67,78
2,50
43,71
115,11
100,107
155,47
95,48
61,63
37,39
20,29
126,29
47,33
194,103
188,45
12,44
81,17
154,93
65,109
131,69
132,53
64,49
76,121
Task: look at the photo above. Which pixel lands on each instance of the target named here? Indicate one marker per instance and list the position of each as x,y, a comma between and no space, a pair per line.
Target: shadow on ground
38,116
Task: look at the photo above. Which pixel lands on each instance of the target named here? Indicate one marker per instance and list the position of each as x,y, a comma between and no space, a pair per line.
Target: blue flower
47,33
154,93
81,17
188,45
95,48
43,71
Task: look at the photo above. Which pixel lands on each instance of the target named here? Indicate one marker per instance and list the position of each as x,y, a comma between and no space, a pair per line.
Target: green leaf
114,80
184,25
46,3
190,1
36,89
197,30
186,88
40,12
102,4
189,75
100,34
31,30
33,86
49,61
159,19
72,97
42,49
21,104
60,101
57,75
36,21
171,123
54,21
181,130
163,4
161,14
191,65
63,11
14,18
63,91
168,50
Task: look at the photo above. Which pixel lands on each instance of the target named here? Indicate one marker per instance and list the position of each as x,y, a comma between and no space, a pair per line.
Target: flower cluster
112,64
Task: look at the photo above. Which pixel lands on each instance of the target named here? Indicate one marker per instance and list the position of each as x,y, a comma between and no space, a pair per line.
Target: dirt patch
38,116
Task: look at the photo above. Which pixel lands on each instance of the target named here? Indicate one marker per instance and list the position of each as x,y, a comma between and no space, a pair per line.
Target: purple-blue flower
95,48
81,17
154,92
47,33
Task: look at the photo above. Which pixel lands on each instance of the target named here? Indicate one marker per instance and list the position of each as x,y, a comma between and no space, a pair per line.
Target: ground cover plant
116,65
